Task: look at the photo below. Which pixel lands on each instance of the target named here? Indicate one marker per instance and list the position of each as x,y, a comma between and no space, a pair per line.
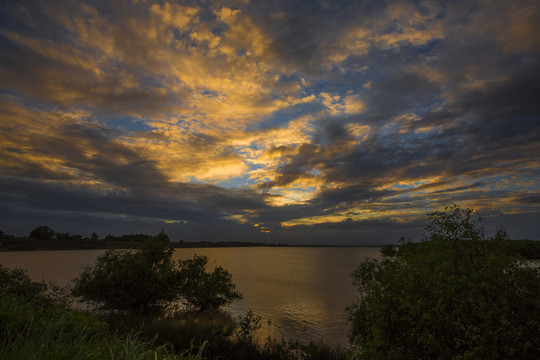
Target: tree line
456,294
46,233
45,238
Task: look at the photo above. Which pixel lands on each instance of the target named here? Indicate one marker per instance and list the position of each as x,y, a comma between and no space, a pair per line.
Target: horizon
294,122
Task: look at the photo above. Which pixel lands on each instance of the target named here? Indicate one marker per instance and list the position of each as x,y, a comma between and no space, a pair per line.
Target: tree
143,280
42,233
206,290
62,236
454,295
17,282
147,280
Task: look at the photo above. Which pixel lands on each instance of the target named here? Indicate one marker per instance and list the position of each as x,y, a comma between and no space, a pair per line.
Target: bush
206,290
143,280
42,233
454,295
147,280
35,326
16,282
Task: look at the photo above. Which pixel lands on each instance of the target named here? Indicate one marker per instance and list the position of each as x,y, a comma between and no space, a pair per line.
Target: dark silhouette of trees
454,295
206,290
129,237
143,280
147,280
16,282
42,233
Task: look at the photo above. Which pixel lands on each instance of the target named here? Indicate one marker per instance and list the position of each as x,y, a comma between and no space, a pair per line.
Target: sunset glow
280,121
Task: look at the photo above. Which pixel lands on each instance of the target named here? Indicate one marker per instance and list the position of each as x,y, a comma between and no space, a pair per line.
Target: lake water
303,291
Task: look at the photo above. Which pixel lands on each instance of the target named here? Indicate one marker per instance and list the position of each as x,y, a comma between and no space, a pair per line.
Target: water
302,291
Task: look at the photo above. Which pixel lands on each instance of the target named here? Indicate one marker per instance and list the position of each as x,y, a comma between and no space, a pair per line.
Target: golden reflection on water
303,291
58,266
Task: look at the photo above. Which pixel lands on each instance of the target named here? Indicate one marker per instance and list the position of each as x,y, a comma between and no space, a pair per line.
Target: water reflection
58,266
303,291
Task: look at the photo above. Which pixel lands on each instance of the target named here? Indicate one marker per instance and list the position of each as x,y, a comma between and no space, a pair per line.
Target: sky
301,122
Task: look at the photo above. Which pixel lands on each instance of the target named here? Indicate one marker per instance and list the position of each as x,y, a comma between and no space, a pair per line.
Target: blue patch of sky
27,102
126,123
286,78
236,182
209,93
282,117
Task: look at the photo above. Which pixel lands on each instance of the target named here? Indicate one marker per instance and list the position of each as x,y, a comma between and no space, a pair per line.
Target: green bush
147,280
143,280
16,282
204,290
456,295
36,324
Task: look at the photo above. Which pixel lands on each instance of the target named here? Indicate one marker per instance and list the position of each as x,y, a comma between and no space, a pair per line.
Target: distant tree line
129,238
45,238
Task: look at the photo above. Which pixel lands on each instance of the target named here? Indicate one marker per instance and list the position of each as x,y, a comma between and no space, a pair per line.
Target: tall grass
36,323
223,337
40,329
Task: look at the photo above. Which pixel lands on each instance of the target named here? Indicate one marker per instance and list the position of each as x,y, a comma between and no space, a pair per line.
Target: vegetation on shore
455,295
36,322
529,249
45,238
147,280
133,290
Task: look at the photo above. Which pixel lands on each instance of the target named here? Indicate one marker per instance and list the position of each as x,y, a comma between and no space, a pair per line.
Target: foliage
129,238
33,326
456,295
224,337
143,280
295,350
529,249
248,326
16,282
147,280
389,250
206,290
42,233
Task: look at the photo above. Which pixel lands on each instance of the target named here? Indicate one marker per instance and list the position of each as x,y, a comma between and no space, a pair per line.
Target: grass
36,323
57,332
222,337
41,329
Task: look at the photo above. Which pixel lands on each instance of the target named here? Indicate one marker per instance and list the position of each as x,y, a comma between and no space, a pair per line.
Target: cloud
295,116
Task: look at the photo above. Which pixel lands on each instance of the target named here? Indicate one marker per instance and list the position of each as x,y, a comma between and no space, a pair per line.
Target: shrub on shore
36,323
147,280
454,295
223,337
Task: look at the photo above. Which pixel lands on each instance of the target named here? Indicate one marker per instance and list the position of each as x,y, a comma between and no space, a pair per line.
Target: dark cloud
376,224
105,105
